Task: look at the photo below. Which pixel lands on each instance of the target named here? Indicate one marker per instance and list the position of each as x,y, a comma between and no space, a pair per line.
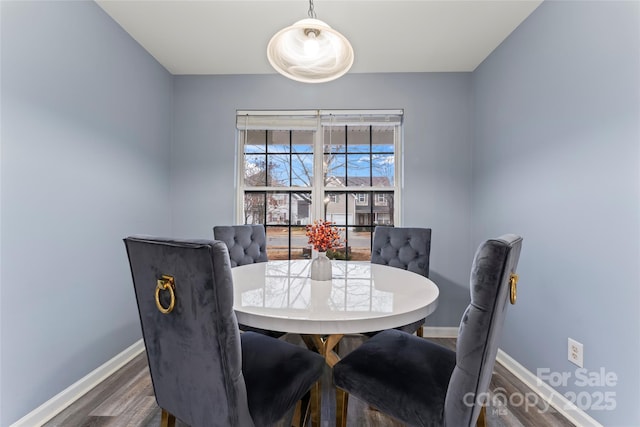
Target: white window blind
308,120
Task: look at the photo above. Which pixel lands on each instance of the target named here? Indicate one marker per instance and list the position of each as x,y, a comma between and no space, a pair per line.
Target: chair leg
303,411
420,332
167,420
342,401
315,404
482,418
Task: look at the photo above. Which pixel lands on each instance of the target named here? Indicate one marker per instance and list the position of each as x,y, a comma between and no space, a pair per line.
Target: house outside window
296,167
361,198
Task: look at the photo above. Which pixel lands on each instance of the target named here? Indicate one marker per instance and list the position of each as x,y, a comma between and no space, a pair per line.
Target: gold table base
325,345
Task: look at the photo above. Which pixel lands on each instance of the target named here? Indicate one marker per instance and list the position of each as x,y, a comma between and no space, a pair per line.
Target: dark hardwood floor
126,399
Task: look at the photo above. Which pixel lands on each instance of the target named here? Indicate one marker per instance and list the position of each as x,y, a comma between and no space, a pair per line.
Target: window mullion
240,171
317,192
398,175
371,156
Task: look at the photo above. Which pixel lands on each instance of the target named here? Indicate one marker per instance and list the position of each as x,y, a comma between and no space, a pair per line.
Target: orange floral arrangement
323,235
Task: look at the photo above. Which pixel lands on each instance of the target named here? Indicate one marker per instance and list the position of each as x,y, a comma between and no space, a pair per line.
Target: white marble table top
361,297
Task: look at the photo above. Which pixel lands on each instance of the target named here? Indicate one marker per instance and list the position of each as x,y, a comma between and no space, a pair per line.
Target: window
295,167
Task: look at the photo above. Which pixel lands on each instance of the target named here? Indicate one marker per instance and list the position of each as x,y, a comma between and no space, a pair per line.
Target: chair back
402,247
492,270
193,350
247,244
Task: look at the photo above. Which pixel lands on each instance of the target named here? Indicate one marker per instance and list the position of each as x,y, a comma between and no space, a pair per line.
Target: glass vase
321,267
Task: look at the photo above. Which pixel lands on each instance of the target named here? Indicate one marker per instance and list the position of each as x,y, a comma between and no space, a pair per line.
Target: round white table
361,297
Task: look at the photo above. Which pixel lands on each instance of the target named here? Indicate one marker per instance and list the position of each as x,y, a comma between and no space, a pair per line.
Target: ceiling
231,36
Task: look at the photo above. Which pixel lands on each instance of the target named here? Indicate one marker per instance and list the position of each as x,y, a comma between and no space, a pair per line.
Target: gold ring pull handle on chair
513,287
167,283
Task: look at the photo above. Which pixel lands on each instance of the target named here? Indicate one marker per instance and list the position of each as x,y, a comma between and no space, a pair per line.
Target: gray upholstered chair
408,248
247,244
424,384
204,372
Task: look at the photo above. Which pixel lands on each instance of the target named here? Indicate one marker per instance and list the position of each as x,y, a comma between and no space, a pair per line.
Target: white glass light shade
310,51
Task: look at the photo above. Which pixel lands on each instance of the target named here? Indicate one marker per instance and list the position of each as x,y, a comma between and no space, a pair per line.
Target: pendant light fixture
310,51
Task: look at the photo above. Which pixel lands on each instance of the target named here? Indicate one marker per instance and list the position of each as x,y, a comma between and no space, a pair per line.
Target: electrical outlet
575,353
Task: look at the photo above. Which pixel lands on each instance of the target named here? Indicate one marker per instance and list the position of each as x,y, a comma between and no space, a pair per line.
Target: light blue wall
437,161
557,159
548,124
86,133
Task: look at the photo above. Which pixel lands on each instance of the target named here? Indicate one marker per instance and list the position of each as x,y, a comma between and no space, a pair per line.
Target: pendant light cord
312,12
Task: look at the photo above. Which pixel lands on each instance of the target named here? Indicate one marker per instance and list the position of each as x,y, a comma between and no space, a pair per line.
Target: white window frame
316,119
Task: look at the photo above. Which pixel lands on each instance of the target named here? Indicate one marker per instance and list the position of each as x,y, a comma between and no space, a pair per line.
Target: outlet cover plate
575,353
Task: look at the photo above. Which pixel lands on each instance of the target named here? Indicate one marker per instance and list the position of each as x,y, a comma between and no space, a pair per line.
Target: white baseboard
440,331
550,395
66,397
